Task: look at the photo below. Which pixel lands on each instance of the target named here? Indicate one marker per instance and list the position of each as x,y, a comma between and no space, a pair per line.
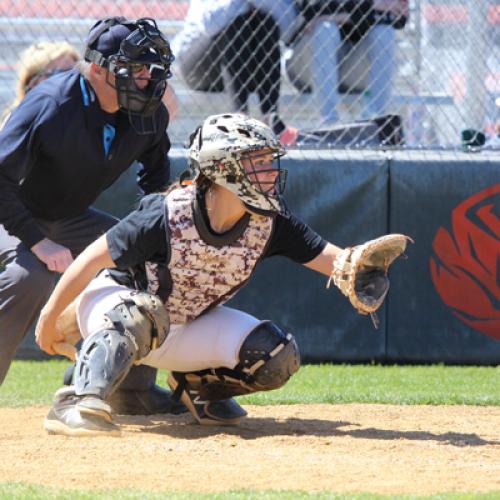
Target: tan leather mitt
360,272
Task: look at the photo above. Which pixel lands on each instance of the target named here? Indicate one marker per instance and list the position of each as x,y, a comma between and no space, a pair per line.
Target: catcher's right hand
67,325
360,272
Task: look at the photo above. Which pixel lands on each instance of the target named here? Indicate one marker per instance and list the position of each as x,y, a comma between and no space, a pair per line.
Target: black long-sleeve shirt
53,163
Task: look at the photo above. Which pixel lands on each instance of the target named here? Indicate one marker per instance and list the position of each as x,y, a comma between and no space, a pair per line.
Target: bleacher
70,21
423,91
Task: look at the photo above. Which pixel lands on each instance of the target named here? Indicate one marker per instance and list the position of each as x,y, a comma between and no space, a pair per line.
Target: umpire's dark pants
26,284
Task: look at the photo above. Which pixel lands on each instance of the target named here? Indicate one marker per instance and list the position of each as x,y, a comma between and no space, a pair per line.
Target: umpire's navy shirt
53,163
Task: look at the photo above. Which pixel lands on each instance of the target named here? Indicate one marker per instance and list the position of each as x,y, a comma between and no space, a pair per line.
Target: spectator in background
241,38
70,138
494,140
346,47
38,62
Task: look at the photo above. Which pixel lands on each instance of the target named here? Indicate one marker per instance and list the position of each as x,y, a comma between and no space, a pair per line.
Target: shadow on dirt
183,427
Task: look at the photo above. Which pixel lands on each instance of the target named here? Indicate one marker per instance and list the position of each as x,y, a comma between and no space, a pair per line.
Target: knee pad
134,327
268,358
144,319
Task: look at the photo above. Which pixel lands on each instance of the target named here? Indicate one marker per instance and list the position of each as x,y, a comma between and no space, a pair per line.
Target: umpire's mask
139,57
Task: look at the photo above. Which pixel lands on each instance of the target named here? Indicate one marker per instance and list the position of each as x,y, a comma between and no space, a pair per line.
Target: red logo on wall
467,260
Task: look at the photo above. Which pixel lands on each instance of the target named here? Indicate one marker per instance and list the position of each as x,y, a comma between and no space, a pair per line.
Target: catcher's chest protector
202,274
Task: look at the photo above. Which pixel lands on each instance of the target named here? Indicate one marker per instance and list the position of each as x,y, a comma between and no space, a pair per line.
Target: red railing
58,9
456,14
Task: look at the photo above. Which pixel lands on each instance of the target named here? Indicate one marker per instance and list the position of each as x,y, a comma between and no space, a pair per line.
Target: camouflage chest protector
205,274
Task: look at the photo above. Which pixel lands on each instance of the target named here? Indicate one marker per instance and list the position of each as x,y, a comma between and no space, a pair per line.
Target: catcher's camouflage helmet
221,143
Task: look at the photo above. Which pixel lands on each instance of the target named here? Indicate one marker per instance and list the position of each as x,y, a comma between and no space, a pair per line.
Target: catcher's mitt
360,272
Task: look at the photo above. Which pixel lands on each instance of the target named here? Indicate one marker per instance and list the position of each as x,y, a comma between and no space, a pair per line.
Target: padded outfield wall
444,301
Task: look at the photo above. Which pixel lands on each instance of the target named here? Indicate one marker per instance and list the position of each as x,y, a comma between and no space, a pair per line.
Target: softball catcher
165,271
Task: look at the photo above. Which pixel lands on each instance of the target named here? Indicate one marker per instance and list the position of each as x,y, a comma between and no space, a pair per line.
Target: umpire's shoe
149,402
224,412
71,416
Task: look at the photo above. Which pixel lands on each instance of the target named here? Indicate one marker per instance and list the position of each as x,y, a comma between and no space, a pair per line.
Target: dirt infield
340,448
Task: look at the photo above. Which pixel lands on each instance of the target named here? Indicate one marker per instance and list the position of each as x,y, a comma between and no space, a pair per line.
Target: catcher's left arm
361,272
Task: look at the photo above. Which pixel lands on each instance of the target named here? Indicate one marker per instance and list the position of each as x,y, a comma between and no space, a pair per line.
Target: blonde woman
37,63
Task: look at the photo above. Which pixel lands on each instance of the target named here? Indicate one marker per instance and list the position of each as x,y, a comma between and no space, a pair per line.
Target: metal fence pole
477,65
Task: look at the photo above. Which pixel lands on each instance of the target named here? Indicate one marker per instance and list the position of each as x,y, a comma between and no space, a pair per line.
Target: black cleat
149,402
224,412
67,418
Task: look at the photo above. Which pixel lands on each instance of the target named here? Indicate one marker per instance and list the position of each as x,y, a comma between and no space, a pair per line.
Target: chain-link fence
338,74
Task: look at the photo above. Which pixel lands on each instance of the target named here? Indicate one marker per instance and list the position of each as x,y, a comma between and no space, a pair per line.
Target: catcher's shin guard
267,359
104,360
136,326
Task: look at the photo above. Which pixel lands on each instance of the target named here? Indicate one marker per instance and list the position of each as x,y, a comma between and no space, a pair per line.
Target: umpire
70,138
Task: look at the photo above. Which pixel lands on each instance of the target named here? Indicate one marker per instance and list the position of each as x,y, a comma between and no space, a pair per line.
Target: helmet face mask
263,170
140,69
241,154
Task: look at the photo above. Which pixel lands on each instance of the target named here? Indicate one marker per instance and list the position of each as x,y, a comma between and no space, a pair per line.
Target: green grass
34,382
26,491
388,384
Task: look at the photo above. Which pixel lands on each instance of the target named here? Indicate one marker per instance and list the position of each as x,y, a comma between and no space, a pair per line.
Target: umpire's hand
56,257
